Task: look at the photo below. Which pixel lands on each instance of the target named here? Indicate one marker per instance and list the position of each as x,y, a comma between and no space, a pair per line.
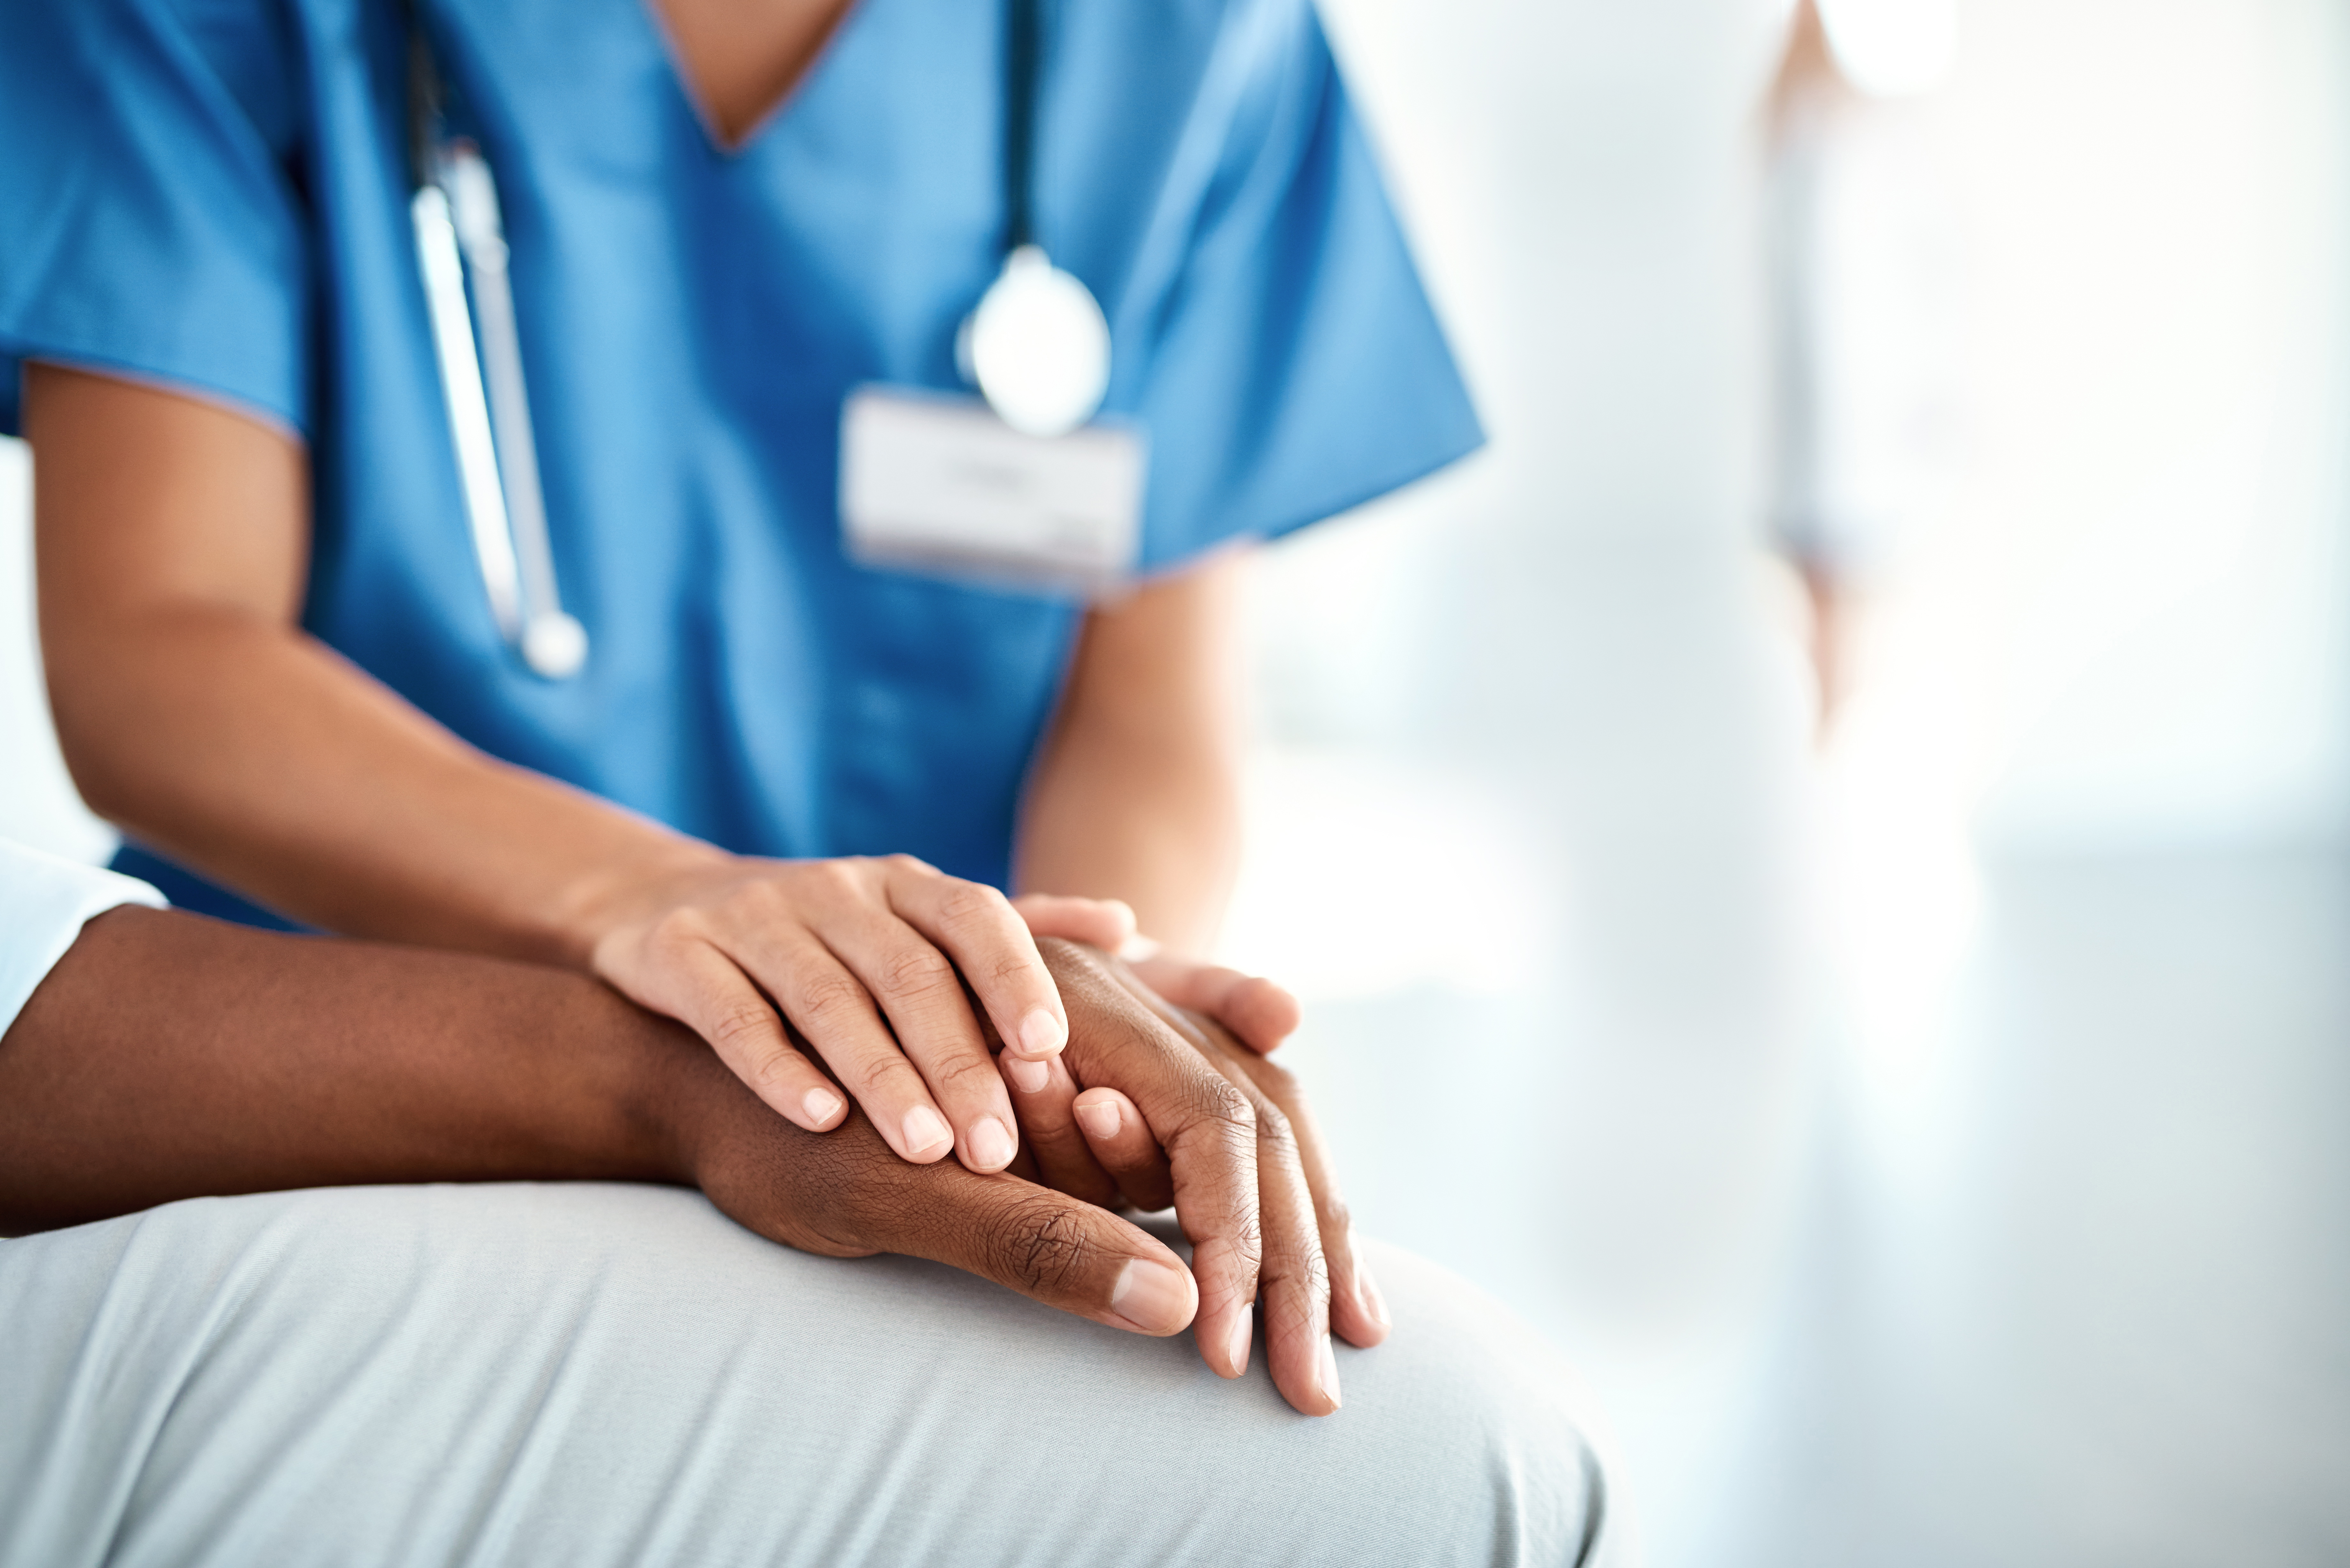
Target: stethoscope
1037,347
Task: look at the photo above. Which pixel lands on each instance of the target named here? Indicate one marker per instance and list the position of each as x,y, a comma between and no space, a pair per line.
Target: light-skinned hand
1253,1009
866,960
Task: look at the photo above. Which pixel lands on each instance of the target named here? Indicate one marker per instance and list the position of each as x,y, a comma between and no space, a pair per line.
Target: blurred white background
1931,1144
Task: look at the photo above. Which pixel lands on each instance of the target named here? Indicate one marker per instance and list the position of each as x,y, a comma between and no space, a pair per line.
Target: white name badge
936,483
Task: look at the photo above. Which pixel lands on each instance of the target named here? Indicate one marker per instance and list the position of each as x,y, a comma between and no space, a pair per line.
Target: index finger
1204,1122
976,926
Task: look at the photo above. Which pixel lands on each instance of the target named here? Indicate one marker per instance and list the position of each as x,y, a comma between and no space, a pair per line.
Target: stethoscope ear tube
459,230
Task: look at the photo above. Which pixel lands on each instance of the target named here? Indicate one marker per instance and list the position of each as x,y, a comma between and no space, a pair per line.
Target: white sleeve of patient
44,903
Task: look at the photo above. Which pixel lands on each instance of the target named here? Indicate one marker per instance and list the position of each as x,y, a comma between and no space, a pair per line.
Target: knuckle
676,929
973,903
1295,1281
908,865
829,880
1316,1273
1275,1133
1039,1242
913,971
965,1070
1330,1211
747,1030
1011,968
1300,1312
1246,1235
756,898
1219,1102
830,998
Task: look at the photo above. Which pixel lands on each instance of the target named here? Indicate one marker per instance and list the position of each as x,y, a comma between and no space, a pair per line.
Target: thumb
1048,1246
1258,1012
1104,923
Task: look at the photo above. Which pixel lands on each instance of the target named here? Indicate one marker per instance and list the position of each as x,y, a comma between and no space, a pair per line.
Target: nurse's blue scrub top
212,195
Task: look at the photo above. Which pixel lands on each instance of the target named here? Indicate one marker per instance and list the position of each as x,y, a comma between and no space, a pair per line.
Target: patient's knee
620,1364
1476,1439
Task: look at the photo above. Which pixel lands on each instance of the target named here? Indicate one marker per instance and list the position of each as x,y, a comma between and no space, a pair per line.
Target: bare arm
1136,794
173,539
168,1057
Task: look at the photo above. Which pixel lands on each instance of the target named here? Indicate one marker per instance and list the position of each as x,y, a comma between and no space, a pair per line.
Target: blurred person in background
752,782
1860,266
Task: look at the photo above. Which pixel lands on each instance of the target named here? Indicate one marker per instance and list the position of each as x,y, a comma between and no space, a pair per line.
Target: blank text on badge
938,483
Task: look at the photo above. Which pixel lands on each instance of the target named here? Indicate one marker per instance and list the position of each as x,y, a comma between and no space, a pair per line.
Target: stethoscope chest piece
1038,346
555,645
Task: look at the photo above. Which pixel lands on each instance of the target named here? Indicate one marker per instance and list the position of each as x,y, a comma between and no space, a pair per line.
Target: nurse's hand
1174,1111
1257,1013
867,958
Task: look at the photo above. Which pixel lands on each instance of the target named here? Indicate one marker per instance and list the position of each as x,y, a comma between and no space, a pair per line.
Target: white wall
2139,615
38,804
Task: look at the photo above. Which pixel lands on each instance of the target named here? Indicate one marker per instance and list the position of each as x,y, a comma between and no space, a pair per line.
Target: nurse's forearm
260,757
195,712
1108,821
1136,794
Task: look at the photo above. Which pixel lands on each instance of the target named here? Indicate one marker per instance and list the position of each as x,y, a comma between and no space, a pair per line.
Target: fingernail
1328,1373
1238,1344
1137,947
1041,1034
1151,1296
925,1129
1367,1289
821,1106
1029,1077
1098,1117
991,1144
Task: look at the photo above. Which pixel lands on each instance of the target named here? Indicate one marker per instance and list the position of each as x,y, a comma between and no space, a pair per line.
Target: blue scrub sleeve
147,168
1297,366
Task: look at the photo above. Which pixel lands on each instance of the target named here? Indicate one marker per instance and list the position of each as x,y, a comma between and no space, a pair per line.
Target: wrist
666,1109
616,889
682,1101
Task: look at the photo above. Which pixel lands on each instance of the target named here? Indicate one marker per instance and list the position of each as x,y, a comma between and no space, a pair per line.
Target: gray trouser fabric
581,1374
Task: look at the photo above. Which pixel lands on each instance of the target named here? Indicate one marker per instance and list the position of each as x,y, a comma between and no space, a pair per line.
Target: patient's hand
847,1194
1173,1111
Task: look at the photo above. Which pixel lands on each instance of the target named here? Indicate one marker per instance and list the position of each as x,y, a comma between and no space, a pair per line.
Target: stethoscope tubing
463,259
462,252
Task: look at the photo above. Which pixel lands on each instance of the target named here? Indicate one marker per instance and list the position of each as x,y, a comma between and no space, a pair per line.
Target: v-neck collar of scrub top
775,111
